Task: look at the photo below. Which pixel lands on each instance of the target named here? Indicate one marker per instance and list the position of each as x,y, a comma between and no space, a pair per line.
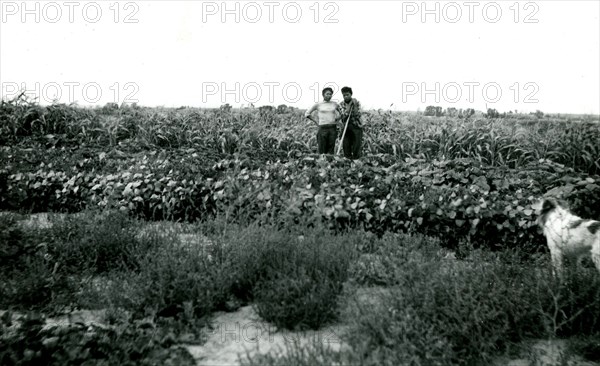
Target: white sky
182,53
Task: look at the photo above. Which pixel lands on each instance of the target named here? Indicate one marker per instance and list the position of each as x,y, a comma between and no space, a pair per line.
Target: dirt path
237,334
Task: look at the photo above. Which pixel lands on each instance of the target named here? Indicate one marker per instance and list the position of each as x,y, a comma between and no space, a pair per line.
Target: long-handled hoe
344,134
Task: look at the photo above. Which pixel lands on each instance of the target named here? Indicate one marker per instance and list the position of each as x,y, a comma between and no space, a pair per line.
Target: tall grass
510,142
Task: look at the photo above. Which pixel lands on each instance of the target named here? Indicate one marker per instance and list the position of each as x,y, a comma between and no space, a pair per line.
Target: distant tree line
437,111
433,111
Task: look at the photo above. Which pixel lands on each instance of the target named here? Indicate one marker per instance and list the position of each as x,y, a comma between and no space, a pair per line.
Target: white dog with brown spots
568,234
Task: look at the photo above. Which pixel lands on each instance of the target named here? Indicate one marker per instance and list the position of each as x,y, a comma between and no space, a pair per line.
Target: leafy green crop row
458,200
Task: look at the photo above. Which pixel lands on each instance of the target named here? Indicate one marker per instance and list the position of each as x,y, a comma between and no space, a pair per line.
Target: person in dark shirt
352,143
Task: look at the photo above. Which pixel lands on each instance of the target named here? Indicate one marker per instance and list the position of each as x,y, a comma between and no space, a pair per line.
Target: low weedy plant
382,262
177,274
13,244
94,242
571,308
173,282
372,270
88,258
443,311
296,354
298,300
587,347
29,279
126,344
295,279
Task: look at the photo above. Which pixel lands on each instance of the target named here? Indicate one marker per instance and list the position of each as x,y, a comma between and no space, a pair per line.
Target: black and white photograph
309,182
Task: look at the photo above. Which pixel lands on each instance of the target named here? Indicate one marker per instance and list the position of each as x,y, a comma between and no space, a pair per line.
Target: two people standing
330,114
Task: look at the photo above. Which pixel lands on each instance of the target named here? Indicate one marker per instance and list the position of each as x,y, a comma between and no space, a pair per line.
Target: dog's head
544,207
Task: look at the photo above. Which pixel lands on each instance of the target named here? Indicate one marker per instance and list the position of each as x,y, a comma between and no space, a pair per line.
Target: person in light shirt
328,113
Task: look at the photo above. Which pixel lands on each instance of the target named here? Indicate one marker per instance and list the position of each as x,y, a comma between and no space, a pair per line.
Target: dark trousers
352,143
326,139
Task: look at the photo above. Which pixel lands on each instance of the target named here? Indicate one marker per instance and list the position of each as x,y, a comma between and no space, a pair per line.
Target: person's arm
339,113
309,112
343,111
339,119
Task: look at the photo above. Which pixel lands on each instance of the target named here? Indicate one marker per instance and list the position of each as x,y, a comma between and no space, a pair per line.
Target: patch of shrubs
294,279
46,266
295,354
586,346
298,300
128,344
13,245
95,242
29,279
443,311
384,264
572,308
173,282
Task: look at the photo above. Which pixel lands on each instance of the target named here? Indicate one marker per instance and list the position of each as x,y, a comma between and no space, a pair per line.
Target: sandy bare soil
237,334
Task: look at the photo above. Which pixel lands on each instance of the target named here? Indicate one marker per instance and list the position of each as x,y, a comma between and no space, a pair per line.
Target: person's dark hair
347,89
326,89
